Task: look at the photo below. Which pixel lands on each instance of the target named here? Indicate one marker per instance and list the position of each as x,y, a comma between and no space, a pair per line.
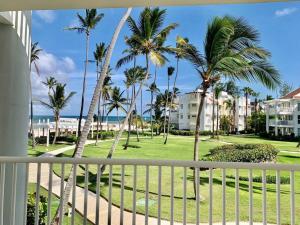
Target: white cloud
50,65
48,16
285,11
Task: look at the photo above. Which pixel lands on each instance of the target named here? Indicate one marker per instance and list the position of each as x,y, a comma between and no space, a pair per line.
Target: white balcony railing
39,170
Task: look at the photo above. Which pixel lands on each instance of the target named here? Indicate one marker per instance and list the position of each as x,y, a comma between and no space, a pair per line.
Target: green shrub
31,209
254,153
69,139
192,133
105,135
269,179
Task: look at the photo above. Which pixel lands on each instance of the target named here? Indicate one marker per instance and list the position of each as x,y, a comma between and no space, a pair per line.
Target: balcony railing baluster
172,197
50,193
250,197
223,196
110,194
292,201
97,220
62,182
74,193
37,194
134,196
122,194
2,183
159,197
14,192
25,191
198,180
86,188
147,196
184,196
237,197
278,196
210,220
264,199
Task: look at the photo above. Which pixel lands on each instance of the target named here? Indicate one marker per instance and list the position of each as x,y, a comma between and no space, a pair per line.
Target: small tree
31,200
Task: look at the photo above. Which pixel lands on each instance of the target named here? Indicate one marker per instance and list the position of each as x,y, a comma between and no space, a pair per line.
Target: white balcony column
14,105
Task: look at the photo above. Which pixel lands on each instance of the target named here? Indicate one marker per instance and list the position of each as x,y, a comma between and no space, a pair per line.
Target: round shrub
254,153
31,209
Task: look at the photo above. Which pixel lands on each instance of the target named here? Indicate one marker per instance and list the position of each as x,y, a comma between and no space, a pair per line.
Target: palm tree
86,24
217,92
169,74
133,76
34,57
174,95
99,55
148,37
230,105
85,131
247,92
50,82
153,90
57,102
230,50
116,102
256,101
105,94
234,91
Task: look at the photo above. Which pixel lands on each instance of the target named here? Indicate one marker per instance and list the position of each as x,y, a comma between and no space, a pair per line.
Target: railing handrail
147,162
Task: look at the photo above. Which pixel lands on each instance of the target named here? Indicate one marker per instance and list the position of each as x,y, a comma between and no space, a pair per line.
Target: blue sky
64,51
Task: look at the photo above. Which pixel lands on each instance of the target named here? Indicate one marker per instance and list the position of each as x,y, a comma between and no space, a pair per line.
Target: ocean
111,119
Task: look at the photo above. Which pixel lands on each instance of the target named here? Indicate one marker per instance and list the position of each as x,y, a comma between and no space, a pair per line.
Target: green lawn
181,148
55,204
41,149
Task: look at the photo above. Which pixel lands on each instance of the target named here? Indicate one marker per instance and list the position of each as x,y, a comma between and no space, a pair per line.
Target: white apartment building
184,117
283,115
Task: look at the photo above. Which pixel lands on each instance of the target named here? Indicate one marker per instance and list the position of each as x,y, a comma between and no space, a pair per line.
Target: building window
181,106
181,116
193,116
189,116
194,105
298,119
299,106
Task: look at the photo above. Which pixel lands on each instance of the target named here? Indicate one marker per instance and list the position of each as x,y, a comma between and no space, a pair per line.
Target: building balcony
281,123
115,196
281,110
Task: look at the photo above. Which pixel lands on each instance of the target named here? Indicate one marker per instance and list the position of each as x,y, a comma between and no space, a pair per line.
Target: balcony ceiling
10,5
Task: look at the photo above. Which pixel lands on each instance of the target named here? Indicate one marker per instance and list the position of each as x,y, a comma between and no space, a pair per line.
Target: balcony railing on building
214,176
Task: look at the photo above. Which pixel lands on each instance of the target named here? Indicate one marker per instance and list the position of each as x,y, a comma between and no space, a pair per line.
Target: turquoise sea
111,119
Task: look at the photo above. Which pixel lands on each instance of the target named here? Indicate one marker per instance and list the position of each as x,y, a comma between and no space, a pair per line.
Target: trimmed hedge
254,153
269,179
105,134
192,133
43,139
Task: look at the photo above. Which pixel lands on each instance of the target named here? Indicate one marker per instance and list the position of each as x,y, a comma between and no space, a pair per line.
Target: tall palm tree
34,57
85,131
169,74
99,55
231,50
234,91
133,76
153,90
117,102
247,93
174,95
148,36
86,24
229,105
57,102
50,82
256,102
217,92
105,94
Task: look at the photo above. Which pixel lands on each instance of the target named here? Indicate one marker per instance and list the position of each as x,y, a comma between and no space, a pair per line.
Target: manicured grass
41,149
55,204
181,148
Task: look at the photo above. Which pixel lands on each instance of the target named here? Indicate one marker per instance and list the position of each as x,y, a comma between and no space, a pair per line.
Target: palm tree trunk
117,139
246,116
172,100
118,118
142,123
213,115
234,117
136,118
31,115
83,84
98,111
197,134
151,106
166,105
82,139
151,114
218,116
129,124
56,128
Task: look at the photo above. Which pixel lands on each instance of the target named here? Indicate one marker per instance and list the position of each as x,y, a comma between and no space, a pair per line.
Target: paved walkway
91,209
